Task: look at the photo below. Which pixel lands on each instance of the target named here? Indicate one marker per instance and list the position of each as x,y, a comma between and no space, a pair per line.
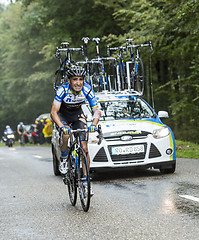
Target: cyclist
21,131
66,110
20,128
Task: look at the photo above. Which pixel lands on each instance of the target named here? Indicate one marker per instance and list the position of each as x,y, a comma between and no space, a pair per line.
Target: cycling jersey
70,101
70,111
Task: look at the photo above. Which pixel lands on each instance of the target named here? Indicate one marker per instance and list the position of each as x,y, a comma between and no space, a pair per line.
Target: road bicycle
100,77
78,176
120,67
86,63
106,73
64,64
135,67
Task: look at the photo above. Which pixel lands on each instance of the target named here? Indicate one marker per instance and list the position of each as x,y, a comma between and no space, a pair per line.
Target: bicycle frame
104,81
120,68
135,63
78,169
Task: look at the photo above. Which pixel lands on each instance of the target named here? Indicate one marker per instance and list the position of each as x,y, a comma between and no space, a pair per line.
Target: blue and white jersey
65,96
8,131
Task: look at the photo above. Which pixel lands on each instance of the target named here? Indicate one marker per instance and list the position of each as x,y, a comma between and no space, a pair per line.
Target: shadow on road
119,174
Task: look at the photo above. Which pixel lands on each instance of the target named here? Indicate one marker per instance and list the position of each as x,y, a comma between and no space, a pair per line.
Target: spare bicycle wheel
59,79
139,77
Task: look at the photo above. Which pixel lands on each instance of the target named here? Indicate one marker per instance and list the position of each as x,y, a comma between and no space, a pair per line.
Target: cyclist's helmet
77,71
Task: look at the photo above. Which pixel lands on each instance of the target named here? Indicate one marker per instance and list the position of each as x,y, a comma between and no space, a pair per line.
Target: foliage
31,30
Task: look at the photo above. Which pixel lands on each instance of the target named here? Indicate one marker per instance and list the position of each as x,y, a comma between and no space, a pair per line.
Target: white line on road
190,197
37,156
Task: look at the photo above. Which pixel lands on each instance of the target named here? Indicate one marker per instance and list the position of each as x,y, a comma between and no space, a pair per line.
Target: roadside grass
27,144
187,149
183,149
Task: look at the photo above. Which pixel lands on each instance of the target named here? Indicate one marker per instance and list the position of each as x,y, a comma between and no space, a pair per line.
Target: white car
133,135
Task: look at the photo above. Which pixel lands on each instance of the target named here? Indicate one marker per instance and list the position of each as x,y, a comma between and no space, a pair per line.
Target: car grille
128,157
118,135
100,156
154,152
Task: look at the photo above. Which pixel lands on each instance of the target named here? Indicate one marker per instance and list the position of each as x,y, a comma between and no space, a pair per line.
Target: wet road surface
135,204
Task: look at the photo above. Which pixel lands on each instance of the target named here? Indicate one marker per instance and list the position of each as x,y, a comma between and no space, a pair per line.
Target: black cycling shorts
73,118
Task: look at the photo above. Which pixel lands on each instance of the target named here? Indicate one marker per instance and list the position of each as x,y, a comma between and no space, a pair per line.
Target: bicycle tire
122,75
58,79
96,78
72,180
84,192
112,75
139,77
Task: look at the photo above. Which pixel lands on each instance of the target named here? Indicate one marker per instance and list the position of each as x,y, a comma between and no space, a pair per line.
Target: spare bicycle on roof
114,72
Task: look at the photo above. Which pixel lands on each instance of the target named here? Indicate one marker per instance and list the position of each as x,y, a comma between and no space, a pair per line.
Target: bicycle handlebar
65,44
97,40
69,49
98,60
141,45
99,130
129,46
85,39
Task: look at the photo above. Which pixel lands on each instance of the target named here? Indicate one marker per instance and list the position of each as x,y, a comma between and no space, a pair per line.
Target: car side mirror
163,114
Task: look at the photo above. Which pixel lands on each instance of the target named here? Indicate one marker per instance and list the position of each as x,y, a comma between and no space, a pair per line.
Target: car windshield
122,109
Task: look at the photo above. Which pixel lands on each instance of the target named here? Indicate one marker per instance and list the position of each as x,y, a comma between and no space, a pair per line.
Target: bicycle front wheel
72,181
83,179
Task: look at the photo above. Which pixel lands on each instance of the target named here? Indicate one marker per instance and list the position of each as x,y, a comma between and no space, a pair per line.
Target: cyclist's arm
60,94
54,110
94,106
96,115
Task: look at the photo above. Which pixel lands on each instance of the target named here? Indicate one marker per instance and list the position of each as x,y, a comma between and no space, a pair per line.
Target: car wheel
171,169
55,163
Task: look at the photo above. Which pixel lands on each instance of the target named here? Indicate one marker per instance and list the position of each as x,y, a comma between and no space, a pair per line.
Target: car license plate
133,149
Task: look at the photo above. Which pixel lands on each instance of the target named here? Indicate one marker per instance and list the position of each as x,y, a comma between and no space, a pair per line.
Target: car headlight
161,132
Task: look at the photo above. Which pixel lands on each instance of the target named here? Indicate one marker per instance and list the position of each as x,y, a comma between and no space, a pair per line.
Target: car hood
123,127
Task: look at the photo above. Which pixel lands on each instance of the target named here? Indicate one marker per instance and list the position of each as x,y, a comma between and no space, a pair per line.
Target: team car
133,135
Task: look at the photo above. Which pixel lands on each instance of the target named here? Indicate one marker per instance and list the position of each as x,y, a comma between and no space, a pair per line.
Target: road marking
37,156
12,149
190,197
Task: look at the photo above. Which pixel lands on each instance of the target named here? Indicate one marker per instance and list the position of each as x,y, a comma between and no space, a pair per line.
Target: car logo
126,138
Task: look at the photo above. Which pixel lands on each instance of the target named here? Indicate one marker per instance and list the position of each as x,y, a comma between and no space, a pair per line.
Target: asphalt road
137,205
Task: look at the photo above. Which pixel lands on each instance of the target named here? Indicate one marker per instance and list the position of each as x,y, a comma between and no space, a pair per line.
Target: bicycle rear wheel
83,180
59,79
71,181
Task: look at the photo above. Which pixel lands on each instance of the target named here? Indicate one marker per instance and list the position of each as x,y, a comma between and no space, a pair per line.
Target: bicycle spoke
70,180
84,181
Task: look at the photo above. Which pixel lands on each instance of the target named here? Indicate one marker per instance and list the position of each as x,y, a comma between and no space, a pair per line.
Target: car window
121,109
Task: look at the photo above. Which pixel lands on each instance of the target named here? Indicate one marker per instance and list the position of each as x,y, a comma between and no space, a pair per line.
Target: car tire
55,163
169,170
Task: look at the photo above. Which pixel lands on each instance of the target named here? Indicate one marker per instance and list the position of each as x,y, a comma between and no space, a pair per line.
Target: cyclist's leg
63,148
